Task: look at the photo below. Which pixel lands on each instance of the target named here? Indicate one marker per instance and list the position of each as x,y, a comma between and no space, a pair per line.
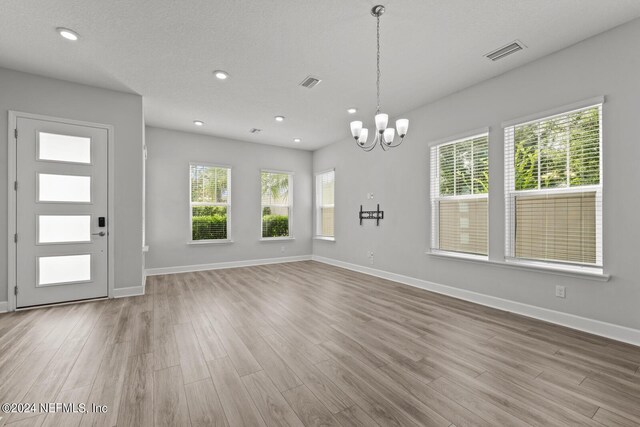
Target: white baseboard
4,306
219,265
128,292
592,326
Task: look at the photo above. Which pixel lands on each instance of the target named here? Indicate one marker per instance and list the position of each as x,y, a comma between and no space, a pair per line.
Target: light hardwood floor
308,344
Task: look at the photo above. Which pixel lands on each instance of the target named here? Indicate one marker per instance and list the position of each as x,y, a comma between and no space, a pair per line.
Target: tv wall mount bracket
377,215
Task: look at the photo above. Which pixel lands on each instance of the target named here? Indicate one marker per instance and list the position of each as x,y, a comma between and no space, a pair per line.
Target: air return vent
505,50
310,82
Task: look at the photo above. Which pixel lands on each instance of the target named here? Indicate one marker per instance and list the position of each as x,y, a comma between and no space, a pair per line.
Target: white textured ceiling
165,50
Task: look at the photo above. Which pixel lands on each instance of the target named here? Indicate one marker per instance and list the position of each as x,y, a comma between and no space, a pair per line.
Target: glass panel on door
64,188
64,148
64,269
64,228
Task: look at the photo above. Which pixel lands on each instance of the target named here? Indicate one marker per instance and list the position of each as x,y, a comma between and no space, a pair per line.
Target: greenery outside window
553,188
459,193
277,204
210,202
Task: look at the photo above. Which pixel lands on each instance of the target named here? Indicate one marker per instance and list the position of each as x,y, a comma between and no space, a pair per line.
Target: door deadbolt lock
101,221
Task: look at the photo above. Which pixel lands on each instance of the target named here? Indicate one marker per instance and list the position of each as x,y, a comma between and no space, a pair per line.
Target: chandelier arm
365,147
395,145
368,147
371,147
377,140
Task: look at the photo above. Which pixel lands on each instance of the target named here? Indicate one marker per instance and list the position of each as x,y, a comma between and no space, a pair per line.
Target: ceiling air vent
505,50
255,130
310,82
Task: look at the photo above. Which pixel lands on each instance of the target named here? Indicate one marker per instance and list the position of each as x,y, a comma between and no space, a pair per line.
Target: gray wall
167,225
39,95
608,65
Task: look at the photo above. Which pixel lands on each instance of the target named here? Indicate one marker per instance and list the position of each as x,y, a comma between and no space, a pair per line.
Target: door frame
12,158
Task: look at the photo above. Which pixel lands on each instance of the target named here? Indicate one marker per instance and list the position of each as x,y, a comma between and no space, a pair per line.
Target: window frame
228,205
318,207
510,193
435,197
289,205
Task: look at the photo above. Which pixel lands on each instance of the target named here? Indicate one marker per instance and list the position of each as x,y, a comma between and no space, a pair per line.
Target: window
277,204
210,202
459,192
325,187
553,188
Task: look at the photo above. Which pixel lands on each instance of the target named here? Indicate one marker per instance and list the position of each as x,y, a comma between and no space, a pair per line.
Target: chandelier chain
378,62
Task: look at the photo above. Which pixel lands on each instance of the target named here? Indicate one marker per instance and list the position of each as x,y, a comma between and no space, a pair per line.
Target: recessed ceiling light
221,75
297,140
352,110
198,122
279,118
68,34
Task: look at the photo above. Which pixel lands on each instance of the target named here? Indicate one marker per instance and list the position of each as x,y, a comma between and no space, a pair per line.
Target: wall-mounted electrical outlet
560,291
282,249
370,254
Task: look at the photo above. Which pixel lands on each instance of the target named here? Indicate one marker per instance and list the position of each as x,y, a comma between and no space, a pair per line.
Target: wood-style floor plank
308,407
608,418
169,400
136,404
239,354
354,417
331,395
271,404
63,418
194,367
308,344
238,406
205,408
108,385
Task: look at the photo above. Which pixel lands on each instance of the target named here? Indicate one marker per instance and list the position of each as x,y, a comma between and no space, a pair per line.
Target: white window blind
459,191
553,188
325,207
210,201
277,204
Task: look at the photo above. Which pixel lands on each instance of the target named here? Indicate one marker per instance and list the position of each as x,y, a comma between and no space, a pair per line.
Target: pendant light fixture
384,135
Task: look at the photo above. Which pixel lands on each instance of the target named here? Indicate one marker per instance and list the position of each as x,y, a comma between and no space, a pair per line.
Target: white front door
61,215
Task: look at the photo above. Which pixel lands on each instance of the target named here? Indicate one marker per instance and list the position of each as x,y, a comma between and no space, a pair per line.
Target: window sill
210,242
459,255
327,238
590,273
276,239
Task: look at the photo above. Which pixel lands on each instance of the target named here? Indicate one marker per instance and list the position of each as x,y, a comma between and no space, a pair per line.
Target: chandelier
384,136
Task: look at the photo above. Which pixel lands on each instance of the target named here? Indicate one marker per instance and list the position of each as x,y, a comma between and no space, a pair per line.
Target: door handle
102,233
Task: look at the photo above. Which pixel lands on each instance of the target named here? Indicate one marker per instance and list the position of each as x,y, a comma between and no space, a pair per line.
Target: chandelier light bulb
389,133
356,128
381,122
402,125
364,134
